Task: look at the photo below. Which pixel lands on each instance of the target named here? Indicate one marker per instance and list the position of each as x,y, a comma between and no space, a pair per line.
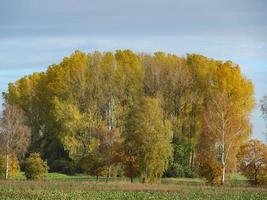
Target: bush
209,168
63,166
175,170
13,167
94,165
35,167
252,161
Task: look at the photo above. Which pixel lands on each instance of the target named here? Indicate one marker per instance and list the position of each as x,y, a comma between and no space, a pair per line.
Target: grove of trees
137,115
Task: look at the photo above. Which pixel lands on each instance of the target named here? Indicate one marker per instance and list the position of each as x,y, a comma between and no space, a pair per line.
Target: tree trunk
192,160
255,175
131,179
6,176
223,175
109,172
223,166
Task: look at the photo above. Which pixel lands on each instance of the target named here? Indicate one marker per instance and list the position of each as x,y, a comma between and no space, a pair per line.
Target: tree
15,134
13,166
225,118
252,161
35,167
264,107
67,105
74,129
175,81
225,129
148,140
105,153
94,164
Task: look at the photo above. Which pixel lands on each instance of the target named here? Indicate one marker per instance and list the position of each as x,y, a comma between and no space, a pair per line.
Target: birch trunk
6,176
223,175
223,168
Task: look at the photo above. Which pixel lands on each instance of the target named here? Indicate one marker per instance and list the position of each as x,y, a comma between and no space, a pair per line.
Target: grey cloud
35,34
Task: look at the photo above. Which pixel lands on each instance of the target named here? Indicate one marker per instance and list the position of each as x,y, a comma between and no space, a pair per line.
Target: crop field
57,186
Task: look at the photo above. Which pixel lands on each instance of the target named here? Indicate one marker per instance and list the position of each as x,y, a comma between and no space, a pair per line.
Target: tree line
137,115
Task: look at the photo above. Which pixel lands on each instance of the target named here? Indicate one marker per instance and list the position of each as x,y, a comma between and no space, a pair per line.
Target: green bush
63,166
175,170
35,167
13,166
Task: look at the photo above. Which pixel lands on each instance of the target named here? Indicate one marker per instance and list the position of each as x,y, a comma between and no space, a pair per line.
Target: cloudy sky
35,34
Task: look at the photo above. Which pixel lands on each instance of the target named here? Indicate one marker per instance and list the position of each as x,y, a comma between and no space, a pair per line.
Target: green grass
234,178
71,189
62,186
237,176
58,176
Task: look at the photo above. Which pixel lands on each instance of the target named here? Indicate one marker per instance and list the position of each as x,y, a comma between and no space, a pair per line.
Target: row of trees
137,115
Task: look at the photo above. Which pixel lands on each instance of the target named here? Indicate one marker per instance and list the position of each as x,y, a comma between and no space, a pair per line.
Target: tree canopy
163,112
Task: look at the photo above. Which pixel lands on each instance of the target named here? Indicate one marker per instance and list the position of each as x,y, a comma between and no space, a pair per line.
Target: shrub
252,161
13,167
94,165
175,170
209,168
35,167
63,166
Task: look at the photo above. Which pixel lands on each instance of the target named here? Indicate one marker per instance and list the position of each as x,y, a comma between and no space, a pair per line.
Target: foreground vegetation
71,189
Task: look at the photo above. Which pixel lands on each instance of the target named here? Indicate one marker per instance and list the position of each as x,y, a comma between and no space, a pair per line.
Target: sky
35,34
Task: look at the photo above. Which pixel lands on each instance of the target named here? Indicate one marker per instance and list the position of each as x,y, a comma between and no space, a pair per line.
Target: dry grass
122,190
72,185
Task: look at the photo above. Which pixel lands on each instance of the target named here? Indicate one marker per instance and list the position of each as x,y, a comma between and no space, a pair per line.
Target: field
59,186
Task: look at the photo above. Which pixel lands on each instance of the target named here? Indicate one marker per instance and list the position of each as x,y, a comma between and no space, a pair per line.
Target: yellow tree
226,123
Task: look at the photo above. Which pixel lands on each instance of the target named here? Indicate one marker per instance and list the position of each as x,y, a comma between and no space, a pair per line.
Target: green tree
148,139
94,164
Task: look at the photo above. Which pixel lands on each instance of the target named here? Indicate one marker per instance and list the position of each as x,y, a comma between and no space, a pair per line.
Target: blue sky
35,34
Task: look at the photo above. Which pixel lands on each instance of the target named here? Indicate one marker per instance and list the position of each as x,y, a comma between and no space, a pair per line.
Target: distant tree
106,152
35,167
148,140
252,161
15,134
111,148
94,164
264,108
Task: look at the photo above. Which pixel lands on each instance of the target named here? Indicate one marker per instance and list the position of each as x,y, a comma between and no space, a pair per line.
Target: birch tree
15,135
264,108
226,126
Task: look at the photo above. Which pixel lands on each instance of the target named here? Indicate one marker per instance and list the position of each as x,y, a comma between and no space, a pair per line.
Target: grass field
60,186
234,179
71,189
